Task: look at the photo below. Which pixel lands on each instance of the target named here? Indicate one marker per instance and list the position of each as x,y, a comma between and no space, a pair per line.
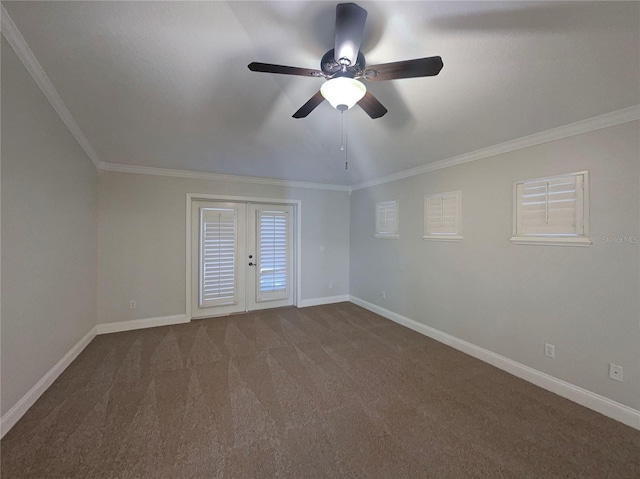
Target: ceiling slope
166,85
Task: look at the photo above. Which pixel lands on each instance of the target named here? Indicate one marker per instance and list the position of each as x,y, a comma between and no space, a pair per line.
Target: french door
242,257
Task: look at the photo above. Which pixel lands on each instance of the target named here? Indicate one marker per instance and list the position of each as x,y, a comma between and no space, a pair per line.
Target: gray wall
49,235
142,241
511,299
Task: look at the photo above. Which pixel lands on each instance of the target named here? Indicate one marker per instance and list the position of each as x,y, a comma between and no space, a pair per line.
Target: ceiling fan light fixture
343,91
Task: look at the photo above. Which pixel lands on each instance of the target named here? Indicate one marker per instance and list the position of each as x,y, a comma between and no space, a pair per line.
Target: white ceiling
166,84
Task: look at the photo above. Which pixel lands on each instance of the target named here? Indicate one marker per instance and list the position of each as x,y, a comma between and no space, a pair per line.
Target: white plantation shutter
218,262
442,216
273,256
550,207
387,219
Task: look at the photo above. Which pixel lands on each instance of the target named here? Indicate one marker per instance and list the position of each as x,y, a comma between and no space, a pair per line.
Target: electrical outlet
330,285
384,295
549,350
132,305
615,372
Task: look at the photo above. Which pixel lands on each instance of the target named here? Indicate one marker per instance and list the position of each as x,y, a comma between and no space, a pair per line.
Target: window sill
454,238
551,241
387,236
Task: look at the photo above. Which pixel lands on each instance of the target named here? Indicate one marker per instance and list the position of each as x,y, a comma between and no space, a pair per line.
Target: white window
553,211
218,260
387,219
442,216
273,263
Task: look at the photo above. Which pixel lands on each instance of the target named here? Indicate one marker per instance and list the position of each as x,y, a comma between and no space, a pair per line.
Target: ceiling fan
344,65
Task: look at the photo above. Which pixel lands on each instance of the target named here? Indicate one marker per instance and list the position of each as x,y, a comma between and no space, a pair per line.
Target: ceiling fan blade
350,20
308,107
420,67
372,106
284,70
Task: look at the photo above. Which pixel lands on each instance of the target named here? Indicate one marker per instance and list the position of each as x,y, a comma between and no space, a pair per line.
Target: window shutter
273,256
442,216
218,257
387,219
550,207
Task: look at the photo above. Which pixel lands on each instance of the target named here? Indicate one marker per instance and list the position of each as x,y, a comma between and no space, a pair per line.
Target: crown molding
30,62
148,170
591,124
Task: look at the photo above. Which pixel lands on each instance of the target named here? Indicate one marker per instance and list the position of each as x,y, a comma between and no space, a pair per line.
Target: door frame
297,240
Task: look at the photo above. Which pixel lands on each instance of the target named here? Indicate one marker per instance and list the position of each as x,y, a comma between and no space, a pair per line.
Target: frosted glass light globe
343,91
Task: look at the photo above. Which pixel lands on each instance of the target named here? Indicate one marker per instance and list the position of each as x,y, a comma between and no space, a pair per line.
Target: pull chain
345,133
342,132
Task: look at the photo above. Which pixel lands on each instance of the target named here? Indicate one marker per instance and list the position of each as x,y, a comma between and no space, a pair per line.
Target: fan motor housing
330,67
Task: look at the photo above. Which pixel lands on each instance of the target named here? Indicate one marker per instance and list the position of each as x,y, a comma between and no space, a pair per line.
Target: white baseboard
591,400
106,328
304,303
22,406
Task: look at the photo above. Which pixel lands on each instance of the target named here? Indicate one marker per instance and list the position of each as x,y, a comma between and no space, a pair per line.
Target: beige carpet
330,391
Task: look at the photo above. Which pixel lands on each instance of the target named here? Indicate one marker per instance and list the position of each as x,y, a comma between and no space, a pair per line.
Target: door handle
251,264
